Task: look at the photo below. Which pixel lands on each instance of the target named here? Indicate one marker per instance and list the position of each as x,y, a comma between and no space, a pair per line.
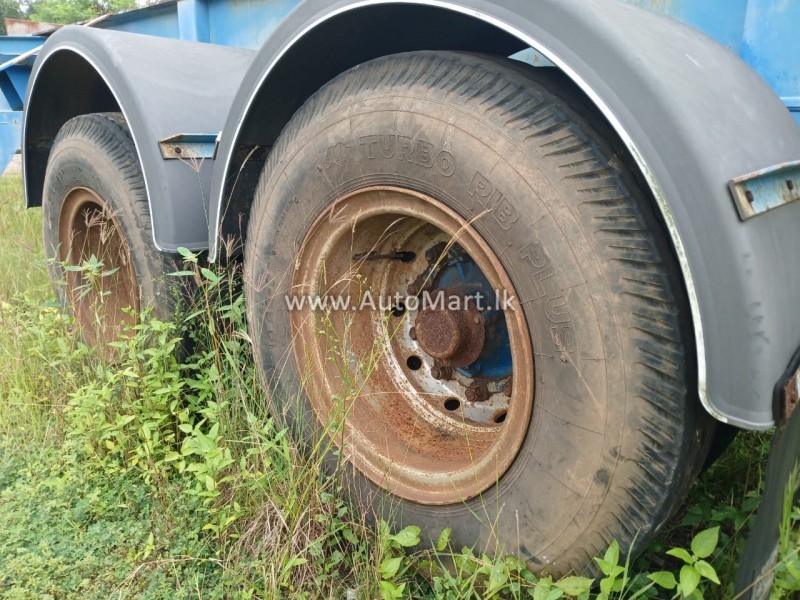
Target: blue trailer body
242,24
13,83
762,32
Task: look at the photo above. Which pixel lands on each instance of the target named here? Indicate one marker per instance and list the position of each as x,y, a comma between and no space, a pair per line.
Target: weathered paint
186,146
771,45
24,27
12,46
245,23
14,74
766,189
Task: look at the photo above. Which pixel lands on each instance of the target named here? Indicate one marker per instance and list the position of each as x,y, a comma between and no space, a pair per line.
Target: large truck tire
97,231
544,428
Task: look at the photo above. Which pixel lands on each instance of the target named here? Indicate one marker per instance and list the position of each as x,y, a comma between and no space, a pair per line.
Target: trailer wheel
97,230
545,427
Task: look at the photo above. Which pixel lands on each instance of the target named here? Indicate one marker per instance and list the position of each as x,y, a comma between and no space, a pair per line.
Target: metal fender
693,116
163,88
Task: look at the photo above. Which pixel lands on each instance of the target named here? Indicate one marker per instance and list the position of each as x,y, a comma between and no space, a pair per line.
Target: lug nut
440,372
477,392
412,333
507,389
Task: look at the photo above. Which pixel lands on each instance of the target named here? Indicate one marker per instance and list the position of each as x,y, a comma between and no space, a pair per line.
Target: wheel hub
453,336
430,401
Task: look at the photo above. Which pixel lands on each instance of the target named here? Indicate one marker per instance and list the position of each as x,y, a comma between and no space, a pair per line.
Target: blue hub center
459,272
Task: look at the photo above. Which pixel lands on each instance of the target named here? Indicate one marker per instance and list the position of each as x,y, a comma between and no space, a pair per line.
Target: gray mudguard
692,115
163,87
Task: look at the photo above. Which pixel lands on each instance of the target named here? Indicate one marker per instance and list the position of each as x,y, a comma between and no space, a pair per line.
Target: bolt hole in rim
414,363
401,427
100,303
452,404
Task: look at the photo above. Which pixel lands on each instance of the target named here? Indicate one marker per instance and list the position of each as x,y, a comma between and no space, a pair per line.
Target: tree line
59,11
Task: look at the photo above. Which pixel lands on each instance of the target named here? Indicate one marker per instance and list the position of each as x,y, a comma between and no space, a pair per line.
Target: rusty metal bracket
763,190
788,397
190,146
791,397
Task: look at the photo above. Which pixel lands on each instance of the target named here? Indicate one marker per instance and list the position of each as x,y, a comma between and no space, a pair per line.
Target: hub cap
423,377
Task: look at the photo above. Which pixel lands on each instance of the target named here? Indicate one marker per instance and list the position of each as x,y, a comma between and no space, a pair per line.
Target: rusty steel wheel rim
99,297
393,385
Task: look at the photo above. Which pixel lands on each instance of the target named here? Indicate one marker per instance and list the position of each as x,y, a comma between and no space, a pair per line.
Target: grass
153,479
21,268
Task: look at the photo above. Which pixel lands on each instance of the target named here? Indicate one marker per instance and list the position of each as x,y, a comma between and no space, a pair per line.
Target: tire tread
544,111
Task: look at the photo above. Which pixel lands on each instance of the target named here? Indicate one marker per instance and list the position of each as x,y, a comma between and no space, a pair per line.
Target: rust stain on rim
86,228
365,373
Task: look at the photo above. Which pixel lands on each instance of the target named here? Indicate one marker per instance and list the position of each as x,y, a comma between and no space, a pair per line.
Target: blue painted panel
9,100
10,134
193,20
161,21
238,23
245,23
771,45
18,75
13,46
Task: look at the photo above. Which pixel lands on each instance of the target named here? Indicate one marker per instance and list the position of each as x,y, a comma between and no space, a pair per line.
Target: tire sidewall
609,450
78,161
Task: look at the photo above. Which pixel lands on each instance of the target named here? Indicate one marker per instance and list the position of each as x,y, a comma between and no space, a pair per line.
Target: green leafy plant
695,568
394,563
